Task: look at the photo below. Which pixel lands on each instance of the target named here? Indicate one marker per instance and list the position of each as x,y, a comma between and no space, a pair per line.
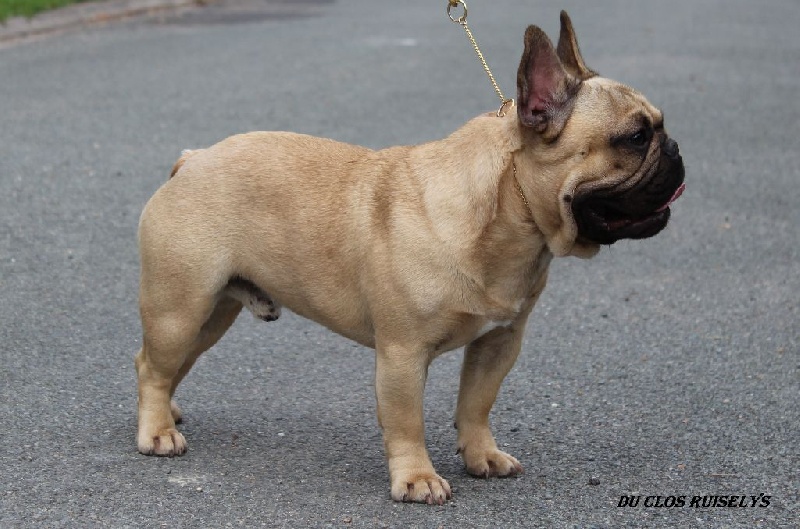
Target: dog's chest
504,314
491,325
501,320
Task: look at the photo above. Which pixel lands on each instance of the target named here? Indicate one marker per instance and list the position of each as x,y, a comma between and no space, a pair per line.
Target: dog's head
602,167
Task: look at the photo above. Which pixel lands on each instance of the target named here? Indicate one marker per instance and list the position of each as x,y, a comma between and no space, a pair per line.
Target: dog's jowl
413,251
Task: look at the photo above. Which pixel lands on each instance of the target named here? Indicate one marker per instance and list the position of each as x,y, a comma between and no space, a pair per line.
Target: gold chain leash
462,21
505,103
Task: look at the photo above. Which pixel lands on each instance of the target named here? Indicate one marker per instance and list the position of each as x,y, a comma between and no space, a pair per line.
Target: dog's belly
340,310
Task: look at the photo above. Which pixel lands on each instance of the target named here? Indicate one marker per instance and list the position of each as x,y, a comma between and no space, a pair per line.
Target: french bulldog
412,251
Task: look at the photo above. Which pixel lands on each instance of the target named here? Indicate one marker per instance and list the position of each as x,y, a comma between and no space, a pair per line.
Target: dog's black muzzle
605,216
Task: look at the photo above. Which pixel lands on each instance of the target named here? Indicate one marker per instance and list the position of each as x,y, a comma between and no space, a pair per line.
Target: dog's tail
185,155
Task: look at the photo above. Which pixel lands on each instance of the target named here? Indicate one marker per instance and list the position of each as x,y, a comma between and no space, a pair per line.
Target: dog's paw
167,442
491,463
421,487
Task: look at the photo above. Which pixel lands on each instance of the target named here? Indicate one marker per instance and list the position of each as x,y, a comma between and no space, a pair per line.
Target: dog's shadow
273,414
300,406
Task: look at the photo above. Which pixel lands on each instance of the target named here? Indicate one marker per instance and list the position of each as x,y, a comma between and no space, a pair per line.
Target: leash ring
455,3
507,103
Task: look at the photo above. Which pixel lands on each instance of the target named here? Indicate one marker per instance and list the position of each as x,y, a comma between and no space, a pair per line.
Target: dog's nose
670,148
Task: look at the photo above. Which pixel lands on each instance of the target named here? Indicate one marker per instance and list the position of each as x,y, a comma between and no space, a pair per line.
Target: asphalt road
666,367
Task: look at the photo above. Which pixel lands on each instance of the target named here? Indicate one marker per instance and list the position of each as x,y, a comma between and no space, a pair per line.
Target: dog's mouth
604,218
610,222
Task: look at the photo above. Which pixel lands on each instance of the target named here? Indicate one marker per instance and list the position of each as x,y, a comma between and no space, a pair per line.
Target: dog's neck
474,206
476,192
469,166
520,192
547,197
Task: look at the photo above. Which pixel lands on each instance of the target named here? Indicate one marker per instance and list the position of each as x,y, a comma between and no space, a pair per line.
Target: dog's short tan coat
411,250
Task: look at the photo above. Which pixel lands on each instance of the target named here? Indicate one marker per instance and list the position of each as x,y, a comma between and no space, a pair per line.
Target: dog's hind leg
218,323
178,326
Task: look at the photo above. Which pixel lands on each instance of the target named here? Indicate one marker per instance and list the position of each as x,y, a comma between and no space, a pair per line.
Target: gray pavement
666,367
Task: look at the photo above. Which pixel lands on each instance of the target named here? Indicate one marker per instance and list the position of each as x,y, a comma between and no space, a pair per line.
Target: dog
412,251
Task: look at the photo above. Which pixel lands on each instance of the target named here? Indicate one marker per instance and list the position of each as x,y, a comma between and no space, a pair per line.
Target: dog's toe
427,488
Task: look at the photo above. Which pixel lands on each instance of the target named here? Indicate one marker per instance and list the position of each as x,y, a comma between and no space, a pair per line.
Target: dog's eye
638,138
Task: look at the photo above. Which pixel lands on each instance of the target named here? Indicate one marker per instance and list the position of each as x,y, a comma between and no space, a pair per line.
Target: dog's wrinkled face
621,171
643,175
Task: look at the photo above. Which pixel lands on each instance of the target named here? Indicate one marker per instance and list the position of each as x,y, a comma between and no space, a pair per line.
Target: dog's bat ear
569,52
545,90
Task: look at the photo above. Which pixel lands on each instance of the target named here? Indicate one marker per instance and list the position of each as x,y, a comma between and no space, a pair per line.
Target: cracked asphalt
667,367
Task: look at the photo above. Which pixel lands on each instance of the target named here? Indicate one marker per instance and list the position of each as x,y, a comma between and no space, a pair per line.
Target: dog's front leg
487,361
399,385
